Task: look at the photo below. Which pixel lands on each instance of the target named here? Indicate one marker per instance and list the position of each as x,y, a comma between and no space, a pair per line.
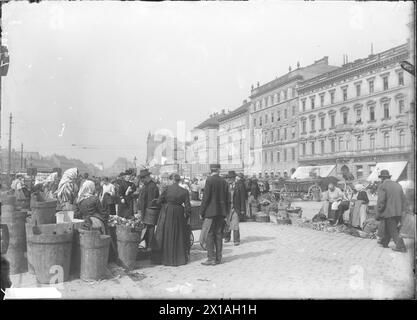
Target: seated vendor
88,207
336,199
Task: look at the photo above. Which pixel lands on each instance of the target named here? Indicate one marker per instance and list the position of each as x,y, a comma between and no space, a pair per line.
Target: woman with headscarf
171,244
360,204
67,189
88,207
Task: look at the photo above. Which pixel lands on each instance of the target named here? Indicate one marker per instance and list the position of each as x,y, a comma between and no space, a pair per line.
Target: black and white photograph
225,150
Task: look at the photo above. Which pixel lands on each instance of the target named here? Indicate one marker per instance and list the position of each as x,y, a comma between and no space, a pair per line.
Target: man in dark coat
238,206
215,206
148,197
391,205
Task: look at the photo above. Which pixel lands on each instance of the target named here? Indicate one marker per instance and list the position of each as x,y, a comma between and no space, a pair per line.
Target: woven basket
262,217
283,221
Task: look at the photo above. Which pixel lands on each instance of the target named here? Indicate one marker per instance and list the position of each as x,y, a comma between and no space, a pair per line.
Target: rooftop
242,109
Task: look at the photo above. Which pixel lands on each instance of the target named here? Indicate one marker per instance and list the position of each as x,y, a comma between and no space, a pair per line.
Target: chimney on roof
245,101
324,60
372,48
252,87
258,84
289,68
223,111
298,64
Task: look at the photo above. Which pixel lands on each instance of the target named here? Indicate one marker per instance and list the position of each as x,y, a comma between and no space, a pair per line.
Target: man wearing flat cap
148,198
215,206
391,205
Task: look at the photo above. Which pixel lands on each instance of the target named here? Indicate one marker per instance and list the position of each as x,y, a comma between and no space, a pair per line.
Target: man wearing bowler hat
215,206
391,205
148,197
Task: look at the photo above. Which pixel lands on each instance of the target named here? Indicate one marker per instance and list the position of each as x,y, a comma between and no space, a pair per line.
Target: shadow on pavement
246,255
200,254
256,238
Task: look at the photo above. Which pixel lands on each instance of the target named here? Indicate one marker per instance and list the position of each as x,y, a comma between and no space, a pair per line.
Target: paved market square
273,261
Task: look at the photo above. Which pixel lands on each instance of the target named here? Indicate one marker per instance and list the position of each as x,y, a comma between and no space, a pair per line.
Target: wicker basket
151,216
283,221
262,217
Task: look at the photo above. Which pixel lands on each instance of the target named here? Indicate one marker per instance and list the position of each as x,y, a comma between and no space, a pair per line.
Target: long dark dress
171,245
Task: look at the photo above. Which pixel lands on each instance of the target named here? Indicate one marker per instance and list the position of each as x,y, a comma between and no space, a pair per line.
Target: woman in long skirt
171,244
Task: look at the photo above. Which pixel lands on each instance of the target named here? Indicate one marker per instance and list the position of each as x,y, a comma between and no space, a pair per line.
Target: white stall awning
395,169
320,171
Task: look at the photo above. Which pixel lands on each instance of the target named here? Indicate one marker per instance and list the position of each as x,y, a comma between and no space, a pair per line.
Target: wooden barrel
151,216
75,265
262,217
94,254
282,211
16,251
4,237
127,245
50,254
44,212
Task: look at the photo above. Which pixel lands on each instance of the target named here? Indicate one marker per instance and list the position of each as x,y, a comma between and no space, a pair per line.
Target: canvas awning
320,171
395,169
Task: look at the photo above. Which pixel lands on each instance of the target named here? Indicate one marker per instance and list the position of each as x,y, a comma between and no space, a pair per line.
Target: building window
254,122
276,98
332,97
313,124
272,157
345,117
401,106
265,157
322,123
371,113
347,144
278,134
272,117
285,94
304,148
293,154
332,121
312,102
285,155
285,133
303,103
272,135
385,82
358,90
401,136
344,94
313,148
358,116
303,126
293,132
386,140
372,141
322,147
266,119
371,86
279,116
332,146
322,100
260,121
341,144
278,157
359,171
400,78
285,114
386,111
293,110
358,143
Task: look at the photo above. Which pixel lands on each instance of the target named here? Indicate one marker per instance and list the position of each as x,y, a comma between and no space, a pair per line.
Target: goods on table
134,222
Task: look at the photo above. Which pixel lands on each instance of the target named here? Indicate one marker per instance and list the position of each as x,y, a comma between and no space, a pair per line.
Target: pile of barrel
51,251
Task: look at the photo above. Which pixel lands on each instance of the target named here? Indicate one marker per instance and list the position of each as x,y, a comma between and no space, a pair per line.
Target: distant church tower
150,147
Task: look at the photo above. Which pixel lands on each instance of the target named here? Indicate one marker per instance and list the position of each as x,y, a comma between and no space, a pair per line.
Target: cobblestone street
273,261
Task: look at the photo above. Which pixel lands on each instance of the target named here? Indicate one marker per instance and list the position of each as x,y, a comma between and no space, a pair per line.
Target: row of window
358,91
344,144
265,119
277,135
274,99
358,119
287,154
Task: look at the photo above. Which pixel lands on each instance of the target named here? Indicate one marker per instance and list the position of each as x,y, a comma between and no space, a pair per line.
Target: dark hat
176,177
214,166
384,174
144,173
231,174
128,172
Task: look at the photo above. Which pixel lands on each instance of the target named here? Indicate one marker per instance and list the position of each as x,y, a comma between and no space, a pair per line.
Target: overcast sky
90,79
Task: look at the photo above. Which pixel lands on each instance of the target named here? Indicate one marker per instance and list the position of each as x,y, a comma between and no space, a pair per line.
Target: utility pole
9,164
21,157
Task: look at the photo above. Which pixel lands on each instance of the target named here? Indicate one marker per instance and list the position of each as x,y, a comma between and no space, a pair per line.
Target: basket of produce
281,220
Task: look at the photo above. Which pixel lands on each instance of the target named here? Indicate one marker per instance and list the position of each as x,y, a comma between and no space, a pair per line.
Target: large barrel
94,254
15,221
44,212
127,245
75,266
50,252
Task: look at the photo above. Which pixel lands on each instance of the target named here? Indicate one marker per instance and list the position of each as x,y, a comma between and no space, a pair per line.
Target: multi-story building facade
205,145
234,139
358,115
273,121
